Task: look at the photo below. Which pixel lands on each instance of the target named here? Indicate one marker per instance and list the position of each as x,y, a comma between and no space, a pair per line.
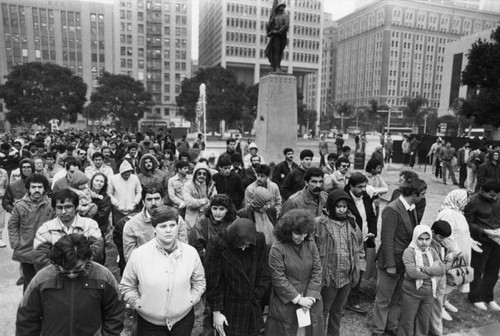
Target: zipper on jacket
71,306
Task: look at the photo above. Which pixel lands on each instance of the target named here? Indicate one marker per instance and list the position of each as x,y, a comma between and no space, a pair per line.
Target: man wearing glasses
67,221
339,178
197,193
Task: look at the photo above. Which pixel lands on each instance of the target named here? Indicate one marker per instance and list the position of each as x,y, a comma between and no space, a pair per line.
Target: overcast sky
338,9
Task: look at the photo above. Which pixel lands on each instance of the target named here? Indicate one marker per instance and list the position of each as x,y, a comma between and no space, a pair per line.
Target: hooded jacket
196,195
125,194
156,177
15,191
328,241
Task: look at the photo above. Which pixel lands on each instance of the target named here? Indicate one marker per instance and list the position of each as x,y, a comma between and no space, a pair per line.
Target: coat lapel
235,262
406,217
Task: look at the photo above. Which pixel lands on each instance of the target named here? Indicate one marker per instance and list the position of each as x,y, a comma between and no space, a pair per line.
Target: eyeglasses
201,174
67,208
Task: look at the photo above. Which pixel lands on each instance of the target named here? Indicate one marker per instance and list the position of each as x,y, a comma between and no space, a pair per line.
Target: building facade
154,46
391,49
232,34
149,40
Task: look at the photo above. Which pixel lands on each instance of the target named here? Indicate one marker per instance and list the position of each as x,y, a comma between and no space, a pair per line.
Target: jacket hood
333,197
125,167
156,164
242,233
32,164
78,178
202,165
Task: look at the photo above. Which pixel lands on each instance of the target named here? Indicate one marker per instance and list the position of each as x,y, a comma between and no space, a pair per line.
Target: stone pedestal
276,123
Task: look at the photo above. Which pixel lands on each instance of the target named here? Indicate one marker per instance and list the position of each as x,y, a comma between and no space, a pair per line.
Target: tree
345,109
38,92
119,96
482,75
412,108
225,97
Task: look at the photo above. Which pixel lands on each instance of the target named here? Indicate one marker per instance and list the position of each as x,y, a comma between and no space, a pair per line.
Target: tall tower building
154,46
330,37
392,49
233,35
74,34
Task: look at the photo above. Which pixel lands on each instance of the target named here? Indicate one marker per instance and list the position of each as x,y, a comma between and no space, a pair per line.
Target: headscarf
332,200
455,200
261,197
419,259
242,233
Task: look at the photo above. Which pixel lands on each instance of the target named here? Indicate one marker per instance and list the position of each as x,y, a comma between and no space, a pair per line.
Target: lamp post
388,118
425,123
342,122
203,99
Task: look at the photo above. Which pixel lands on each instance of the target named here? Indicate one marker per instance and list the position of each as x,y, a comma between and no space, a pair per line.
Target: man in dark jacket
488,170
295,180
398,221
284,168
312,197
362,209
73,295
227,182
15,191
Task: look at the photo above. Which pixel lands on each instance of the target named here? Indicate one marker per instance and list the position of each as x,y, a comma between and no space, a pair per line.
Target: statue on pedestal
276,29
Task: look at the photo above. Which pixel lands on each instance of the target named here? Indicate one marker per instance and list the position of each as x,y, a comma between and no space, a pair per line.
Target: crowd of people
246,240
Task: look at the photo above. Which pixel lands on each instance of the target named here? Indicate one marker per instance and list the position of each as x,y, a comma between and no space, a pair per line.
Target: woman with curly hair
218,216
296,277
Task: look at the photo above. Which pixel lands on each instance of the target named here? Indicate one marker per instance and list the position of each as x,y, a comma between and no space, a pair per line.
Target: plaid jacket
231,291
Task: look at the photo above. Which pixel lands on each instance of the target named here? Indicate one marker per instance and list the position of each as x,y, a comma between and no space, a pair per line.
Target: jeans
448,167
29,273
387,301
333,302
416,309
181,328
486,266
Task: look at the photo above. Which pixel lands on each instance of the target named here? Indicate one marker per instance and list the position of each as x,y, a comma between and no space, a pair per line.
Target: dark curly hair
225,201
37,178
69,249
298,221
372,164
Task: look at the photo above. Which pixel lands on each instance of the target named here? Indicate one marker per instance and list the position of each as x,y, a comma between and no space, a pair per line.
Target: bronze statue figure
276,30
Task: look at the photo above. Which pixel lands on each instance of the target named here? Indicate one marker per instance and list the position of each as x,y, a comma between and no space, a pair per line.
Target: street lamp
342,122
388,117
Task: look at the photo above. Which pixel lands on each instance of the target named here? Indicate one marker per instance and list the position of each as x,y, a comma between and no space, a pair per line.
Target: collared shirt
360,205
340,276
407,206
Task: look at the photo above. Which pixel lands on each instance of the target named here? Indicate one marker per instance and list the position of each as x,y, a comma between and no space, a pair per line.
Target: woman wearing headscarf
423,267
237,279
296,276
340,246
262,213
460,241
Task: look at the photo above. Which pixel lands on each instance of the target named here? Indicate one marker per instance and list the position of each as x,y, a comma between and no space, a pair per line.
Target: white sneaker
493,306
481,305
445,316
2,243
449,307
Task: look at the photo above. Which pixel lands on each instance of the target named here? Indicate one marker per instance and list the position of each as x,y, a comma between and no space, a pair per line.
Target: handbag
459,273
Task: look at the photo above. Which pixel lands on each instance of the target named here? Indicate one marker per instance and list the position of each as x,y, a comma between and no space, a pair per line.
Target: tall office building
149,40
77,35
154,46
330,37
392,49
233,35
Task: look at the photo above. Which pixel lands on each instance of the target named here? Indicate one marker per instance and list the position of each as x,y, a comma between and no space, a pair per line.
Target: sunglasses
201,174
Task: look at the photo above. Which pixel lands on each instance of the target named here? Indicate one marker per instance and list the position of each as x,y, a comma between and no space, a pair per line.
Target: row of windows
240,37
307,17
306,44
305,30
241,9
240,51
241,23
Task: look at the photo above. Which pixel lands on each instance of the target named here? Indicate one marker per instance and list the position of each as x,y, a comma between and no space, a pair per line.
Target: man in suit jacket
399,218
462,155
362,209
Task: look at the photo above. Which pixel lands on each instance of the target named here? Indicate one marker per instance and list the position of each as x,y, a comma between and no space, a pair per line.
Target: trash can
359,161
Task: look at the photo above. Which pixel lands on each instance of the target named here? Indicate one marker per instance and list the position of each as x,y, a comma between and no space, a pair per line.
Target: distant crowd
236,235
